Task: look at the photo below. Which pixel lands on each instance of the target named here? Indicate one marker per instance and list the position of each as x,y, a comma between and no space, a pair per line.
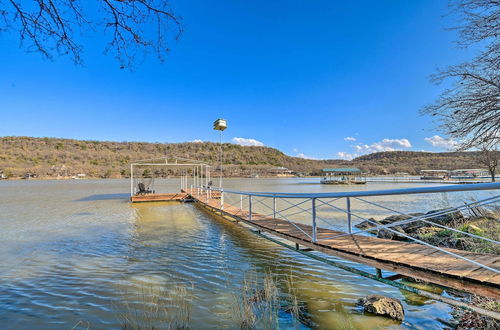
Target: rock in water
385,306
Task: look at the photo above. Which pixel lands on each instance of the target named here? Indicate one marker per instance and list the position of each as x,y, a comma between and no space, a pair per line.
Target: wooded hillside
52,157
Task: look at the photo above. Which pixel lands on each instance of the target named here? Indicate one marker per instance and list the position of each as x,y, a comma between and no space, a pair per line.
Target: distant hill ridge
65,157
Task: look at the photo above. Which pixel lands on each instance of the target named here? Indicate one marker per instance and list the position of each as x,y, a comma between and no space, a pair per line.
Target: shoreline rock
385,306
412,228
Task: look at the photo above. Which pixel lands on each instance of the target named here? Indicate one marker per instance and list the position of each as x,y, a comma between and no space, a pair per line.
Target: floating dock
408,259
180,197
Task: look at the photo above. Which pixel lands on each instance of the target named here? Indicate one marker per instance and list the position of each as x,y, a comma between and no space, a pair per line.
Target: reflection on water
100,197
74,250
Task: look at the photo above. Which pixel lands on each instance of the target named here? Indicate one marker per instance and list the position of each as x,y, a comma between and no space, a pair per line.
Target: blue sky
321,79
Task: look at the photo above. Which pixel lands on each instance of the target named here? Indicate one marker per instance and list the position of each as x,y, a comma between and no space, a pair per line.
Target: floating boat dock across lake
350,175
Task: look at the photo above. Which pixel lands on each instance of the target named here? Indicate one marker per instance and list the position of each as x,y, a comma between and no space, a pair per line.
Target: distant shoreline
127,178
53,157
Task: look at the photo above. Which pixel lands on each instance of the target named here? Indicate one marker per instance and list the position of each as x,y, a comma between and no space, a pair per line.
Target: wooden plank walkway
409,259
159,197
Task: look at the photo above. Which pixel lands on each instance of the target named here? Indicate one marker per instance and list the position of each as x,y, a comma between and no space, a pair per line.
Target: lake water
77,253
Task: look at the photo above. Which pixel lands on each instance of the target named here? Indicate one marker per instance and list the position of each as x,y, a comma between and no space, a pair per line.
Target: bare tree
489,158
52,27
469,110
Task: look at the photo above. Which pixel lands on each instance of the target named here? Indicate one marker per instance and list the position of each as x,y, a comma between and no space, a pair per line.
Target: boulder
407,227
446,219
389,234
427,232
394,218
385,306
366,224
414,229
399,217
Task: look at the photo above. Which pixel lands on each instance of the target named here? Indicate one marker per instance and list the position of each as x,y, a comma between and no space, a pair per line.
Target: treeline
53,157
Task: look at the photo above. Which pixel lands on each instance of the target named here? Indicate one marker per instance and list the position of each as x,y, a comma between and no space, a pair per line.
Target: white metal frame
200,171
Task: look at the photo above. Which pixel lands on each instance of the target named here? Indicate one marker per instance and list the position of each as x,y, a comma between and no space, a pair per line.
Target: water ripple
80,256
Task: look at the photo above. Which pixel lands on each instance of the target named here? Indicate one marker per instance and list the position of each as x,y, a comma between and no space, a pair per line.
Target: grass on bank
157,308
258,304
481,222
487,226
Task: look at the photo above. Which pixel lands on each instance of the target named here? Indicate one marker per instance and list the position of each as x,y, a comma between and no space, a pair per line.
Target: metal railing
418,179
311,205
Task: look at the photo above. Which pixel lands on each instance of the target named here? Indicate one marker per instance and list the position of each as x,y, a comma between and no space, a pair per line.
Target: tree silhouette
52,27
470,109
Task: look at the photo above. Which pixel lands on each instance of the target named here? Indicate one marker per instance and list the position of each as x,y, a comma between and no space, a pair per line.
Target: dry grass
481,222
484,226
259,302
471,320
257,306
157,307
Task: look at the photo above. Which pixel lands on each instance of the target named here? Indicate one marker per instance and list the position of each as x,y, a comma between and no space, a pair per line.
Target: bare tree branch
52,27
489,157
470,109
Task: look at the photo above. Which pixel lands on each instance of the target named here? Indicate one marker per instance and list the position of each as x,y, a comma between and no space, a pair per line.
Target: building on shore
462,175
474,173
434,174
344,175
281,171
29,175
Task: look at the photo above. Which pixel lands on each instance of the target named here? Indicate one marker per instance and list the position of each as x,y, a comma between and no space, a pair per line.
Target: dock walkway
408,259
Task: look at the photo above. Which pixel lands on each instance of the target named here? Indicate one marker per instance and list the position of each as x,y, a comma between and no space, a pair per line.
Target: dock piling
314,228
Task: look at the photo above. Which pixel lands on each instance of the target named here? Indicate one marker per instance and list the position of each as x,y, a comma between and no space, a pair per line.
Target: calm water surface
77,251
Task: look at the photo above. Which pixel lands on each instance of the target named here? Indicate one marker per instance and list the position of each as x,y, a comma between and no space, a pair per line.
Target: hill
414,161
52,157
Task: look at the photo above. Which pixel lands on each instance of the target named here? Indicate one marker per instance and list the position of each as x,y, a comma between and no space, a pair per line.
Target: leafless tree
53,27
489,158
469,110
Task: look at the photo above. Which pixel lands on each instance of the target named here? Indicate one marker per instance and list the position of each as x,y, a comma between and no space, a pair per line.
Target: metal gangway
276,215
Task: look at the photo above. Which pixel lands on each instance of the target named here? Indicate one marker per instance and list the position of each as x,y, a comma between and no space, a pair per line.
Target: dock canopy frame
343,175
434,174
470,173
190,173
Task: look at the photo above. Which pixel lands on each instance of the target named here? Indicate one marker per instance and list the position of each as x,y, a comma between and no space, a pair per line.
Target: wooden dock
179,197
408,259
160,197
